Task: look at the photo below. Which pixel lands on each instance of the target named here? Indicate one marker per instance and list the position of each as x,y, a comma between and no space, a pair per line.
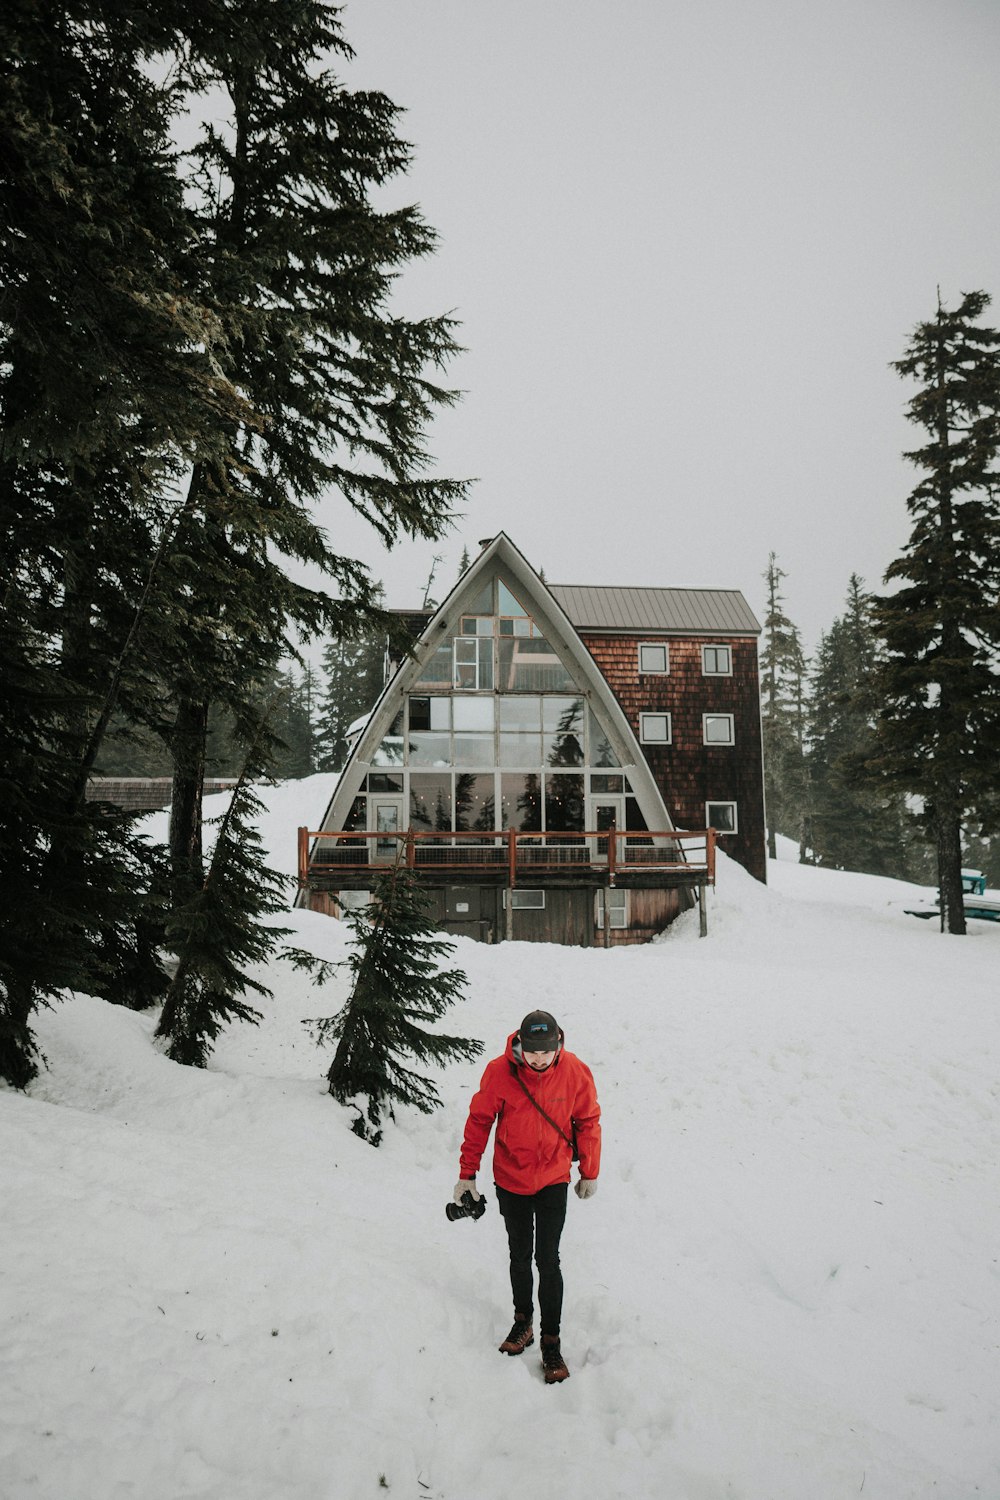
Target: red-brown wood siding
688,772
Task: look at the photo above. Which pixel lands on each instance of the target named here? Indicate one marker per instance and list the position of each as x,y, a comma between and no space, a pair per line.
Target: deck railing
516,855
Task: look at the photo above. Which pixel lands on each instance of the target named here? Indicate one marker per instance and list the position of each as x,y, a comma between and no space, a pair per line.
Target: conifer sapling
398,987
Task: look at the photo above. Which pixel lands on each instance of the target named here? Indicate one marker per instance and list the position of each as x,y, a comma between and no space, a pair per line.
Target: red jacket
528,1153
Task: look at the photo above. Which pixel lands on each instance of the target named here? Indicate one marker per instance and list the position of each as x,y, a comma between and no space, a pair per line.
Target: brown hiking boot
521,1335
552,1361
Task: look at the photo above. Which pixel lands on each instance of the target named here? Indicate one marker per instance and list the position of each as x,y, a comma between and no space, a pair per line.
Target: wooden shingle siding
690,773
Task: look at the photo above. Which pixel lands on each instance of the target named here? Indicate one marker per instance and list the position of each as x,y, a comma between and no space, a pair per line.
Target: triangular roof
501,557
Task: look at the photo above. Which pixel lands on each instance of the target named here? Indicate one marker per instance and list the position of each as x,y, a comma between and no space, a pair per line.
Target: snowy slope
785,1289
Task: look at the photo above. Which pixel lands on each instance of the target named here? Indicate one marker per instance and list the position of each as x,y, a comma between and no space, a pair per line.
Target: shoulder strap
541,1111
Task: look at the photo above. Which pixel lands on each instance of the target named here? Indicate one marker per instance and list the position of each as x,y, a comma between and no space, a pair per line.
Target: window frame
599,898
663,646
522,905
644,739
715,671
718,744
722,802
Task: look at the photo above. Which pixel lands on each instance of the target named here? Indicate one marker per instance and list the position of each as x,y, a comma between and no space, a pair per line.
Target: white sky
684,241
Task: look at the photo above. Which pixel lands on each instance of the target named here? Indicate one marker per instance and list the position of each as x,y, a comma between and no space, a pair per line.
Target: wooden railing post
710,854
411,849
612,851
303,856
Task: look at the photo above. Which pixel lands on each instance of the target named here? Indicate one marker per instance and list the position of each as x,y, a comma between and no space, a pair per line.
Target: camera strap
570,1143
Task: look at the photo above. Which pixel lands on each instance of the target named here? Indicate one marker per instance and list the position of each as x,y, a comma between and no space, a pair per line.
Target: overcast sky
684,239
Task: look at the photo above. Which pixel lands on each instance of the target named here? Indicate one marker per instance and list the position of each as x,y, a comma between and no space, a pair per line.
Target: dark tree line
195,345
893,763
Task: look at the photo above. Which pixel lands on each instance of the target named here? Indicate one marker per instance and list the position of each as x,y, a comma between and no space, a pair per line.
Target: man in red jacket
540,1096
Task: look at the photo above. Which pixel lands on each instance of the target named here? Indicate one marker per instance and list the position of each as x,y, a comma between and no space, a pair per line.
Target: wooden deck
512,858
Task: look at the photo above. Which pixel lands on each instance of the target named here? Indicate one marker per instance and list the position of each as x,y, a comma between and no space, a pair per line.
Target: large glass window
564,803
474,662
430,802
530,665
430,749
473,713
390,751
430,713
475,806
601,753
521,802
437,670
562,721
474,749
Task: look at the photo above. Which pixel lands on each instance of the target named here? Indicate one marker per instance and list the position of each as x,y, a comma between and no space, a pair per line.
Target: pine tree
353,679
300,265
939,726
853,825
218,932
399,986
783,718
108,379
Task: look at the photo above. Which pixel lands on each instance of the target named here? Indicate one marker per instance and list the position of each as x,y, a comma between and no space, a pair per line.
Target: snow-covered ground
785,1289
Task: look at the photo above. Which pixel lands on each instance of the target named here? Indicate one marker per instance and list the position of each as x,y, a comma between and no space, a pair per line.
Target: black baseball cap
539,1032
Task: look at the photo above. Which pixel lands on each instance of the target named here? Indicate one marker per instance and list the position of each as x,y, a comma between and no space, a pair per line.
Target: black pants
536,1221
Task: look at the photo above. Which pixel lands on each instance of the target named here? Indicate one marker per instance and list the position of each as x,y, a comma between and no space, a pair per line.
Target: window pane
527,900
652,658
507,604
440,714
357,819
717,659
563,803
473,749
420,713
380,782
722,816
437,669
430,750
482,603
563,719
601,753
430,803
531,666
562,713
654,729
521,803
520,713
718,729
604,784
520,750
389,752
473,713
475,809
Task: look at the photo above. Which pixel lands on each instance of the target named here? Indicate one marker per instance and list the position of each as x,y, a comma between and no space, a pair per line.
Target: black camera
467,1209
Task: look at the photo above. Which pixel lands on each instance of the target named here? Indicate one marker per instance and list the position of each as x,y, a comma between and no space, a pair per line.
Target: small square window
654,657
716,661
617,909
721,816
654,729
717,729
525,900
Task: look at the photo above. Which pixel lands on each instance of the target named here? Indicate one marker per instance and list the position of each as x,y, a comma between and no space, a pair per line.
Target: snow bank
786,1286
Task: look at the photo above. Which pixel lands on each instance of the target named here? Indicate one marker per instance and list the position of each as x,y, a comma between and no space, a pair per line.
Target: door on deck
385,816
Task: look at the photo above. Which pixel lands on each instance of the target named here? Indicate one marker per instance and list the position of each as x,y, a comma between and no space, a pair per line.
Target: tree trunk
187,743
949,856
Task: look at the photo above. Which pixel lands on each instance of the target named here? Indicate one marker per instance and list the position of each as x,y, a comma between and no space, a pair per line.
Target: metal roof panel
700,611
